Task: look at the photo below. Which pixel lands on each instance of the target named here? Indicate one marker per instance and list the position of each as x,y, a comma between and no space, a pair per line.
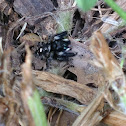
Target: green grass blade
116,8
37,109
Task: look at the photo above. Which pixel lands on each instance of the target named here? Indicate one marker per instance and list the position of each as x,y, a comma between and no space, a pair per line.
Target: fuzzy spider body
57,48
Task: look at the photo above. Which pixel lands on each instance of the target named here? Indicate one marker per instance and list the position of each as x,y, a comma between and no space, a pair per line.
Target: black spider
57,48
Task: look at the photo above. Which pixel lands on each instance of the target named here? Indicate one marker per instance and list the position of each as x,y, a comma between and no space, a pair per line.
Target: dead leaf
85,71
33,8
30,38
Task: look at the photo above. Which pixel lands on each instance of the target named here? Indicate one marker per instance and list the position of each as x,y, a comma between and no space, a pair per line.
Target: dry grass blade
115,119
27,85
56,84
92,114
22,30
8,103
26,68
30,96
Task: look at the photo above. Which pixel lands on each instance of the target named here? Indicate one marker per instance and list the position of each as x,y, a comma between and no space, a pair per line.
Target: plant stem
116,8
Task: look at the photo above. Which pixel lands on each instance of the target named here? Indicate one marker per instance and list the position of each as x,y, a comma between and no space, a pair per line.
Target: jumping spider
57,48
